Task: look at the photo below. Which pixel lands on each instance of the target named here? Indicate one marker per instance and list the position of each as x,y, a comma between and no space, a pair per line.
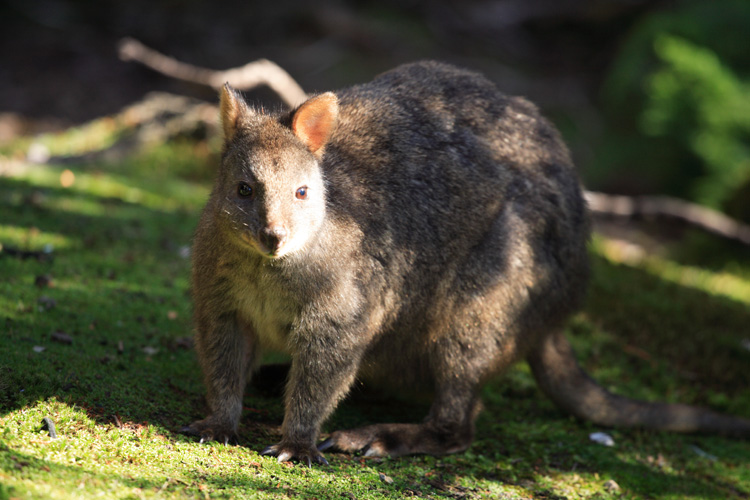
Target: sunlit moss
169,196
126,384
32,239
715,282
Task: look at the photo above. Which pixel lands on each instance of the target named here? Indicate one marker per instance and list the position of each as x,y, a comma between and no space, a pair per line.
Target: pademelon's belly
397,359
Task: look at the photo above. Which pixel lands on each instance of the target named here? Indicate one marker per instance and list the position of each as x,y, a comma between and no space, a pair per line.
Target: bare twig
251,75
666,207
157,118
265,72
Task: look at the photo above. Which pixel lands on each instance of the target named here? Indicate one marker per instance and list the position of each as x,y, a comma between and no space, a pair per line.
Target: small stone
602,438
62,337
49,425
43,281
46,303
385,479
703,454
37,153
611,486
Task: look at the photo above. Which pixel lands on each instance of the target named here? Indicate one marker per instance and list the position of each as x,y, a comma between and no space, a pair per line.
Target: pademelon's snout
272,237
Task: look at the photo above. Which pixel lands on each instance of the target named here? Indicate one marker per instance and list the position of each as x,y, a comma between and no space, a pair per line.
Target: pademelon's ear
313,122
233,108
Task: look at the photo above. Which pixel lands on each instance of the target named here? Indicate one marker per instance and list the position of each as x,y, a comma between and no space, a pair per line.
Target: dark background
592,65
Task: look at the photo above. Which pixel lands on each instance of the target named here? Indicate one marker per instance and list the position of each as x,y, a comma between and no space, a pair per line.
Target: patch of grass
94,322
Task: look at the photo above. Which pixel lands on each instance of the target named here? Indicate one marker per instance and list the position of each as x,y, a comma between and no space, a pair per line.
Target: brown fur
441,237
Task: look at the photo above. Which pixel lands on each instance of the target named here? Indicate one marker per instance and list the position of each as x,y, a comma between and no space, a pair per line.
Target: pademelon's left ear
313,122
233,109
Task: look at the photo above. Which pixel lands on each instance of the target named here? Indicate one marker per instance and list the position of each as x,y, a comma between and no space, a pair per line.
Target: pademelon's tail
562,379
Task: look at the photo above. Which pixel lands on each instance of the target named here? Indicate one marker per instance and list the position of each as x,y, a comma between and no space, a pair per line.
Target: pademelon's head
270,190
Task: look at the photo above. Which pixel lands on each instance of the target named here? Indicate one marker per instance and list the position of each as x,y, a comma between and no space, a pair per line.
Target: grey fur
442,238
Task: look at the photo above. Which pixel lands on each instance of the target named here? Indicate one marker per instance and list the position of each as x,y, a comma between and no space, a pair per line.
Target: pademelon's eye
301,193
244,190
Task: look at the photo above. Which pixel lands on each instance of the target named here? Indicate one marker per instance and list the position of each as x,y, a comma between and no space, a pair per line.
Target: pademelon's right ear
314,120
233,108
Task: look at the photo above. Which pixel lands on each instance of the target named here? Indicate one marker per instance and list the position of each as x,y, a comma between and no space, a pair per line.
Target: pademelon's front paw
210,429
290,451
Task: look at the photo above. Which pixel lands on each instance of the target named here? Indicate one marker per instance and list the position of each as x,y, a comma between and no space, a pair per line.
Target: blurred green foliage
677,107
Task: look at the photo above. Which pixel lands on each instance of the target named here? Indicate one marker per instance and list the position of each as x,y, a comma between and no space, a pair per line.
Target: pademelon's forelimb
562,379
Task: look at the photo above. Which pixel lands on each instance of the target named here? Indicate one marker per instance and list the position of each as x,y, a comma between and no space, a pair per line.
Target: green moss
668,327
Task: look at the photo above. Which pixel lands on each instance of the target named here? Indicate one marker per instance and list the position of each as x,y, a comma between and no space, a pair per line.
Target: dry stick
265,72
251,75
665,207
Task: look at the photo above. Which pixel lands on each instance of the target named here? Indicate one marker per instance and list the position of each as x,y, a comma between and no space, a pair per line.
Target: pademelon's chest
267,308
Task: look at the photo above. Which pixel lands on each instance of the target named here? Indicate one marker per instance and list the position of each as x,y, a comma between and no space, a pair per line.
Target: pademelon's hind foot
394,440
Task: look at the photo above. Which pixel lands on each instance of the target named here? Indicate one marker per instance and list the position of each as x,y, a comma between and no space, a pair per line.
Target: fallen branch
249,76
157,118
701,217
265,72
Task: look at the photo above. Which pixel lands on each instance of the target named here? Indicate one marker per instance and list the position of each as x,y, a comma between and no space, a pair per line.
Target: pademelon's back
441,169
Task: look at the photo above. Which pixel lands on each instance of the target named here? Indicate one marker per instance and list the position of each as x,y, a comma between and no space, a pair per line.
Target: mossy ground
106,274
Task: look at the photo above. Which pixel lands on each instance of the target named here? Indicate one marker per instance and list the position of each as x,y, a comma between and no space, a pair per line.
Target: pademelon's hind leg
448,428
459,362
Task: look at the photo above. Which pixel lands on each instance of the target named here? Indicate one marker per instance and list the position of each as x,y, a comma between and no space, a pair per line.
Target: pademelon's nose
273,237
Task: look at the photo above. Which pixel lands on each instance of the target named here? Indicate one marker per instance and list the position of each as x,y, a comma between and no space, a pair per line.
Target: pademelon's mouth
259,247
